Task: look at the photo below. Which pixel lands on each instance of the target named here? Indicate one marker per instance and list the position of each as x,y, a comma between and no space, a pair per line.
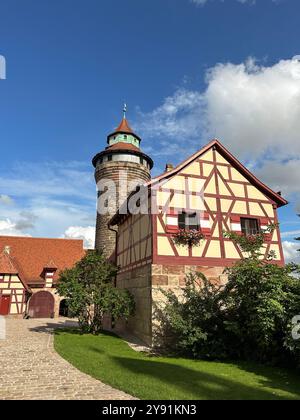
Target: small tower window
109,158
125,137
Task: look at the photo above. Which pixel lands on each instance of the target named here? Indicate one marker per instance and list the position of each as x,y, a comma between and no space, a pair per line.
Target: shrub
90,294
196,320
248,318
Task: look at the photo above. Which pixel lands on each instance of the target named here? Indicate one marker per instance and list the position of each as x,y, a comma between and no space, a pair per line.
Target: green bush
195,320
248,318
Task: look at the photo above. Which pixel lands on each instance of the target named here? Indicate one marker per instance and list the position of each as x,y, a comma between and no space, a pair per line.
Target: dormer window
49,274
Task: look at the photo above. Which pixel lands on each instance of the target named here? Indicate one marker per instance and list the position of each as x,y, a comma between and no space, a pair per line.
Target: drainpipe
116,249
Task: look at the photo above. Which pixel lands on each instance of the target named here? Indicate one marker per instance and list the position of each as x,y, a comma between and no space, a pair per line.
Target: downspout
116,249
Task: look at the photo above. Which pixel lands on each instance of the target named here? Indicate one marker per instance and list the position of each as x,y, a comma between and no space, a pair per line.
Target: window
250,226
188,221
109,158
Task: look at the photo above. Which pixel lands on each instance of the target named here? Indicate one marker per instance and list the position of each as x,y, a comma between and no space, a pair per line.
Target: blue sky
188,72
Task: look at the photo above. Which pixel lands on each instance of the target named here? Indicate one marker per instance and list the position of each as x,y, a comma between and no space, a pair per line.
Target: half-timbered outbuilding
29,271
211,192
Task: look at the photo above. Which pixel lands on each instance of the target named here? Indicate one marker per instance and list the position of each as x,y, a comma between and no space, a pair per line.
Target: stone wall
172,278
138,282
146,284
119,172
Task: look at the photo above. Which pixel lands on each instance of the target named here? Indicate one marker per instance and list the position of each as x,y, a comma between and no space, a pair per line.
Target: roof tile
33,255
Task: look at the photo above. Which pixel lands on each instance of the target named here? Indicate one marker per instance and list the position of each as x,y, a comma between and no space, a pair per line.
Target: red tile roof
32,255
51,265
124,127
123,146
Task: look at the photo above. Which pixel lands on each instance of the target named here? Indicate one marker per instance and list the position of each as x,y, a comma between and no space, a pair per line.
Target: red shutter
172,228
235,219
205,227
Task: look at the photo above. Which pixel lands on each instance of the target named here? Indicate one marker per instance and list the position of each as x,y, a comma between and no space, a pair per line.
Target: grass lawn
109,359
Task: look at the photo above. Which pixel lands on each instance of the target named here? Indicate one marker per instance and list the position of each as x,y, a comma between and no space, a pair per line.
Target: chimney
7,250
169,167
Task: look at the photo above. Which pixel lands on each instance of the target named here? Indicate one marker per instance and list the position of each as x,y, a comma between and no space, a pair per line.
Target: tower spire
124,111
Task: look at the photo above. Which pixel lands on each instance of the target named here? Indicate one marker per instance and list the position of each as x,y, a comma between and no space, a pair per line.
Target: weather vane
125,109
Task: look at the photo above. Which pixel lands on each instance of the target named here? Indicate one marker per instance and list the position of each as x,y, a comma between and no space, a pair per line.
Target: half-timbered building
29,271
211,192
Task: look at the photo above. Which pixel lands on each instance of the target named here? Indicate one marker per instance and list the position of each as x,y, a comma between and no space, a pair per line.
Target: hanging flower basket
188,237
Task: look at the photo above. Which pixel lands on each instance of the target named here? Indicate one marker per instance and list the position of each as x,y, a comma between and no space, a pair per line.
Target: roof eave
122,151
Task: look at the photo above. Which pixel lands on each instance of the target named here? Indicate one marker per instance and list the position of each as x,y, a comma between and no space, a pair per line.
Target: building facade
211,192
29,271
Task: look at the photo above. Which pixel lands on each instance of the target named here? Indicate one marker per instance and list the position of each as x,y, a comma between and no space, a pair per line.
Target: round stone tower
125,164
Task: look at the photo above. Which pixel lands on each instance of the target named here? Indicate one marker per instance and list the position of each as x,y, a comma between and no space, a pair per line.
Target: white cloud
50,179
85,233
48,197
282,176
252,108
6,199
290,250
291,233
8,228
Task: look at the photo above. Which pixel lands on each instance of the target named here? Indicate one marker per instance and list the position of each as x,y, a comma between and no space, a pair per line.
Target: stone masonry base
147,284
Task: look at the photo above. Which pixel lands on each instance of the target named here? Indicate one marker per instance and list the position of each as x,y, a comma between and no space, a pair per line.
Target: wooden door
4,304
41,305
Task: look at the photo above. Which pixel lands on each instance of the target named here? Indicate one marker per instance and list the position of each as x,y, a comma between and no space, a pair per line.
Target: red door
4,305
41,305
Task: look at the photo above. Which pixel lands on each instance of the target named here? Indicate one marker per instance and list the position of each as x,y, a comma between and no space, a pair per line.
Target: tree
90,293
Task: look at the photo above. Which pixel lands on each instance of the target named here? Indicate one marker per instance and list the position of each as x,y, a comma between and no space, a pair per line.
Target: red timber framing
13,287
220,220
134,243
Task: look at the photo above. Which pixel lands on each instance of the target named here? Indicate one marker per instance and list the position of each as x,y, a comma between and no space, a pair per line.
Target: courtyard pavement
30,369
